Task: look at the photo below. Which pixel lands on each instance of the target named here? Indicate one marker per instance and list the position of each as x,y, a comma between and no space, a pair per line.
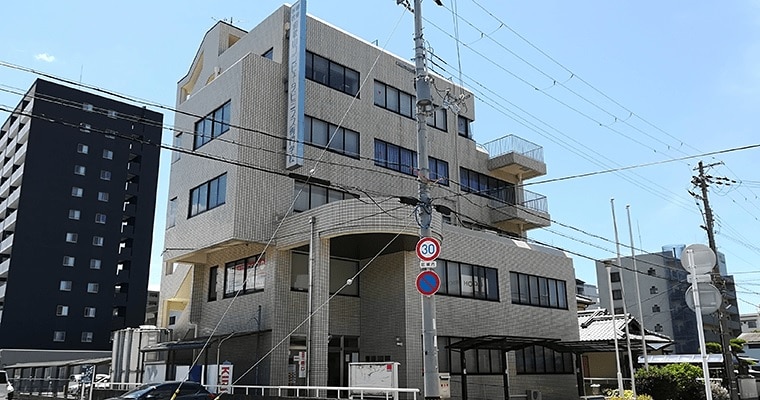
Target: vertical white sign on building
296,85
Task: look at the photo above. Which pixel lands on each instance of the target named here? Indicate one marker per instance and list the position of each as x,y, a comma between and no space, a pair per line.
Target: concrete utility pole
728,365
424,109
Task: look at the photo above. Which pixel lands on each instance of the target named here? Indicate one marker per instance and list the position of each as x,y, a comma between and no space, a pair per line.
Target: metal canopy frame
495,342
511,343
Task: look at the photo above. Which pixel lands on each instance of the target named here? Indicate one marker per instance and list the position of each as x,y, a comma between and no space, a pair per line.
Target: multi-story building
750,322
78,192
590,292
298,272
663,284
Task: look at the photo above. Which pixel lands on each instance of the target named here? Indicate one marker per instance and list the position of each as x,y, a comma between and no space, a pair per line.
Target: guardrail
336,392
513,144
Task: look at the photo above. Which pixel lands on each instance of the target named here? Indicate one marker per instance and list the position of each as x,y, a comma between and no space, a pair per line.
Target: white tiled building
237,254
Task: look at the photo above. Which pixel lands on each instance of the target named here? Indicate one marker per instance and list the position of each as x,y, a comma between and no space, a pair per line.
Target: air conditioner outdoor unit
533,394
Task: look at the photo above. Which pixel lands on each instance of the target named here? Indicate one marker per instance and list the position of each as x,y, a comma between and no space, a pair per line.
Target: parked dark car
164,391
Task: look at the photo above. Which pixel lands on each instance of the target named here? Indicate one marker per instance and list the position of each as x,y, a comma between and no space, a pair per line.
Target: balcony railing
513,144
524,198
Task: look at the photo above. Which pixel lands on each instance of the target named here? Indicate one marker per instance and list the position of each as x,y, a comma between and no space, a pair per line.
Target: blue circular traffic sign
428,282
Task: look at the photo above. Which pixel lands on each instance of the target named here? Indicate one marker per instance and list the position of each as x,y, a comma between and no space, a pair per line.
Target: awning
503,343
61,363
196,343
682,358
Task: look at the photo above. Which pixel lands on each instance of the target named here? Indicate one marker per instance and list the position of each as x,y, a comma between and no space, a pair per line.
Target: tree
737,347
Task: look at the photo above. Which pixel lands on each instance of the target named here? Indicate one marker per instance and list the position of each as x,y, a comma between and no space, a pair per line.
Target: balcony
20,155
13,197
17,175
5,188
6,246
7,169
23,134
9,224
529,210
131,189
515,159
4,268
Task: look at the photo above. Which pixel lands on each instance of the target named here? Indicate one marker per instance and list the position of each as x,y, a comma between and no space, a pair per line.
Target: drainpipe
310,302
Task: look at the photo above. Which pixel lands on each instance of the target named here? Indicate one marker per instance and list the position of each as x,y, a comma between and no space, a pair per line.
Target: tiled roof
597,325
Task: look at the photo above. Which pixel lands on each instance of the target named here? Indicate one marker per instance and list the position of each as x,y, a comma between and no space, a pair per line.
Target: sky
598,84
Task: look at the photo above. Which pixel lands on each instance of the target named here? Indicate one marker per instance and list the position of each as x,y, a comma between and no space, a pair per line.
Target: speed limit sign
428,249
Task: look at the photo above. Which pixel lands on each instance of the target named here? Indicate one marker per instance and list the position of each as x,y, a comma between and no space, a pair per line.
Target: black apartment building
77,201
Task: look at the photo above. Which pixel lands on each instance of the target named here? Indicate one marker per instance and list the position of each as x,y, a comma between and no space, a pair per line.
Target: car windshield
135,393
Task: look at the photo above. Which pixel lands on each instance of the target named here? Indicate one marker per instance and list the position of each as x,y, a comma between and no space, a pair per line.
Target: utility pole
425,207
702,181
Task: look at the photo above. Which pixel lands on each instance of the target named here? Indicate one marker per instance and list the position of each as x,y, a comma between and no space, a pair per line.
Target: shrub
671,382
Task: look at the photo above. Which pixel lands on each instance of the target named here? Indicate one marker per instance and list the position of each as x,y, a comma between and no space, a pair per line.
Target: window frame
247,264
331,75
201,195
69,261
534,290
214,124
392,156
453,276
336,145
93,287
539,360
311,199
62,310
213,276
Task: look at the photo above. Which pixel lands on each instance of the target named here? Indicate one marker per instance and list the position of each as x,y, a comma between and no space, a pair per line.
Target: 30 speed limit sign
428,249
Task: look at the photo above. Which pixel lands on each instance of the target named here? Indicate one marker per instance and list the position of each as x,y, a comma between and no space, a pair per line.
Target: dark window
341,270
658,328
332,74
463,127
652,272
617,294
209,195
486,186
327,135
212,125
479,361
653,290
542,360
655,308
466,280
403,160
615,276
618,310
400,102
310,196
244,276
538,291
269,53
212,273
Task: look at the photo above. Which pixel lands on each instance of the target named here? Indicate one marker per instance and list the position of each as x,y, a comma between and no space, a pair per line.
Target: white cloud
44,57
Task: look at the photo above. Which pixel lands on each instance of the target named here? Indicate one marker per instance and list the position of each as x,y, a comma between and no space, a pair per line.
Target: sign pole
700,331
